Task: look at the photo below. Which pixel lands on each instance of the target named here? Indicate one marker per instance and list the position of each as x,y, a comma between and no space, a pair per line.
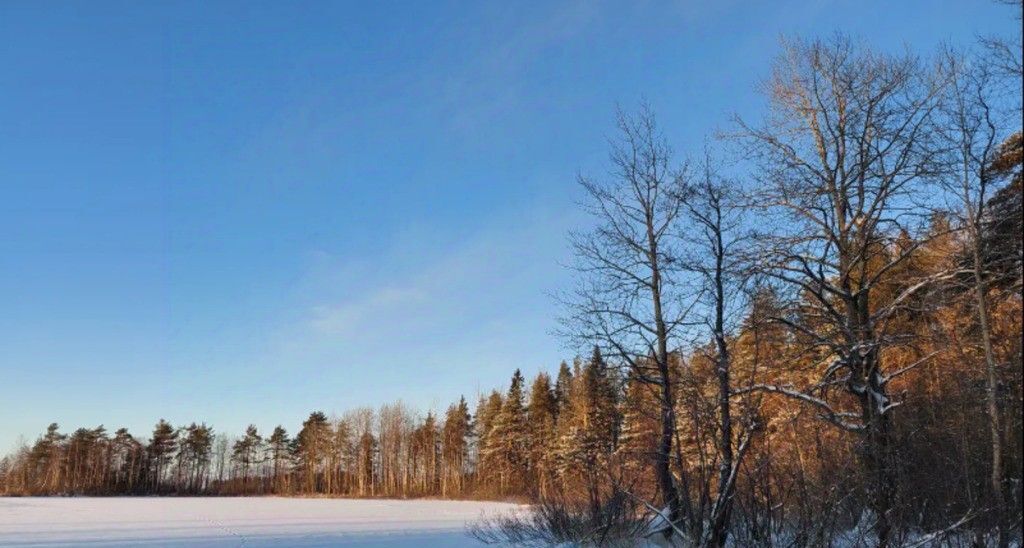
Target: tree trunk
662,468
723,506
722,510
877,447
992,394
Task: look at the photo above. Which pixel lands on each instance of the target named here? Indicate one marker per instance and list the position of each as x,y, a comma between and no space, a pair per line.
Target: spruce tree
455,437
277,449
587,428
487,412
425,455
563,385
541,412
639,436
567,425
508,442
601,394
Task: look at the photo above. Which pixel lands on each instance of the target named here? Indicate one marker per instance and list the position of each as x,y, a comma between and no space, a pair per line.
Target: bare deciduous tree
714,237
844,154
971,129
629,299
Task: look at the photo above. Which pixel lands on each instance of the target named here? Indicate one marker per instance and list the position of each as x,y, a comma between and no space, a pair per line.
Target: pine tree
455,439
46,457
638,439
487,411
563,386
127,461
312,445
246,452
587,428
194,454
602,420
277,449
508,442
161,448
541,412
84,465
567,425
424,456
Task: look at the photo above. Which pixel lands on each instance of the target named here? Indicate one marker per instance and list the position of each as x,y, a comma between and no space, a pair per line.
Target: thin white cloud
437,304
367,311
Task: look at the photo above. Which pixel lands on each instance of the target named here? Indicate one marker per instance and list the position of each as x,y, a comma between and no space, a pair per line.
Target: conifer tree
455,439
246,452
161,448
601,394
487,411
541,412
567,425
563,385
424,456
312,444
508,440
277,449
84,463
587,429
194,454
127,460
638,438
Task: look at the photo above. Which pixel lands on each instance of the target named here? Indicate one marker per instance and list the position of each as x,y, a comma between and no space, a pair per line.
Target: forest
812,326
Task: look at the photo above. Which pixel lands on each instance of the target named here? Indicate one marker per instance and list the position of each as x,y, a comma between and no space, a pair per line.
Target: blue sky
241,212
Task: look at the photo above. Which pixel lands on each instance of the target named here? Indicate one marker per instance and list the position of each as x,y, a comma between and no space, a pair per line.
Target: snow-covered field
265,521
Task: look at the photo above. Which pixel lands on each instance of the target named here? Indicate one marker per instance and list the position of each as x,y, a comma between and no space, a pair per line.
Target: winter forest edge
811,327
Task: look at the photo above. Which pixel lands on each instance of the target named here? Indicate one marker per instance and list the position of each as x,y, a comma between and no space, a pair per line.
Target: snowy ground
219,522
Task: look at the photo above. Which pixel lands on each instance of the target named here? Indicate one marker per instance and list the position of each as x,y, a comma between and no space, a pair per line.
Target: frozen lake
223,521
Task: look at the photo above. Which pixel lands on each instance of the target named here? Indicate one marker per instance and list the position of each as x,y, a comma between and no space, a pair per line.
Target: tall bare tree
714,234
844,155
972,128
1005,54
629,299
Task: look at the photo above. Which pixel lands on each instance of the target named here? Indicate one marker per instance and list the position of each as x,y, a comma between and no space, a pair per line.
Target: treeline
525,443
812,333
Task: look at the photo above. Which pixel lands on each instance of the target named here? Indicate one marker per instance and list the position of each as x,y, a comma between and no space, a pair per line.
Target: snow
228,521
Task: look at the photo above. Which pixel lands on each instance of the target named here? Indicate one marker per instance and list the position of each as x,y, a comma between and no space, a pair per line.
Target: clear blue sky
241,212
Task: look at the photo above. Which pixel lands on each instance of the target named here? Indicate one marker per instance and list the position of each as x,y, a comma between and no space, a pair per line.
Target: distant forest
814,324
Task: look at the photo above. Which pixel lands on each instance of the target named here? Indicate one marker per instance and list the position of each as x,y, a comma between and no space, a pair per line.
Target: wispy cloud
419,285
365,312
464,308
